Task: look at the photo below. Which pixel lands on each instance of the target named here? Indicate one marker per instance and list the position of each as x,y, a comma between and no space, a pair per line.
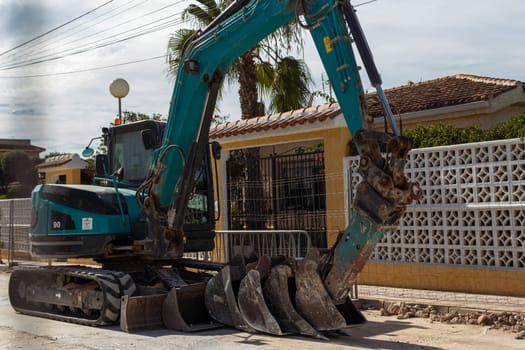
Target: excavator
152,202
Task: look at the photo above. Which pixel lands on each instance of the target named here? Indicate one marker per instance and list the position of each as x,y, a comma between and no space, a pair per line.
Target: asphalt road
24,332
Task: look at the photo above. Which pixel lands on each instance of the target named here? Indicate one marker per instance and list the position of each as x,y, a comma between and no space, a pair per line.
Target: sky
411,40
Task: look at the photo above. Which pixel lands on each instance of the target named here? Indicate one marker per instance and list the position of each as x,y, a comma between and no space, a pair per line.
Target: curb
443,308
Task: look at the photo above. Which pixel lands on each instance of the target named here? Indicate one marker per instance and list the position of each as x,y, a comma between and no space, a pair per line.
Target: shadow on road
361,336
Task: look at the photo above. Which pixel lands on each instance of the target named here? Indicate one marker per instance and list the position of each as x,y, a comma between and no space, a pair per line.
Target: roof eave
336,121
444,111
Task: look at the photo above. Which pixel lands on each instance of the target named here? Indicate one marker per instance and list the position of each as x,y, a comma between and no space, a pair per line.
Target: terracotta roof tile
442,92
448,91
58,160
275,121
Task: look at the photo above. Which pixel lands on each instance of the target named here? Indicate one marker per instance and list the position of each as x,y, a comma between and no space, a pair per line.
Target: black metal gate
282,192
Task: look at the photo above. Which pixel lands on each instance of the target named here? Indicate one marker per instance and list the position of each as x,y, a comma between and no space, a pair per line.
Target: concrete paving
19,331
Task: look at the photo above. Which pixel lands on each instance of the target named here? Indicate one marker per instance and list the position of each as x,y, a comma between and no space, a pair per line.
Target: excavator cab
103,220
129,151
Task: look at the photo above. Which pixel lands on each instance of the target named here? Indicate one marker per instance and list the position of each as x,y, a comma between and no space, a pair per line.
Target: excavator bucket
312,300
277,296
220,300
141,312
253,306
183,309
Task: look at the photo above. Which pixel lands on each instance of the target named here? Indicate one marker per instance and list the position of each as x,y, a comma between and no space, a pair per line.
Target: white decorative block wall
473,211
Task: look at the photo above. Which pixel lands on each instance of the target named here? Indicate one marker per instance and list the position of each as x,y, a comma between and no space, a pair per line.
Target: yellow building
63,169
286,170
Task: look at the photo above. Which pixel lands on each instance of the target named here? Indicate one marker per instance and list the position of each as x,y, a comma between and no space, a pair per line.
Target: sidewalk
439,298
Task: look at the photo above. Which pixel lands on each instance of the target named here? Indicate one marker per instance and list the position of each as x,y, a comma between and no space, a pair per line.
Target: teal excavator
152,201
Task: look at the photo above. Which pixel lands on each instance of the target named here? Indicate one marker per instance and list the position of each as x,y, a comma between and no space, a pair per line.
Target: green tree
130,116
218,119
19,168
261,68
3,179
512,128
443,135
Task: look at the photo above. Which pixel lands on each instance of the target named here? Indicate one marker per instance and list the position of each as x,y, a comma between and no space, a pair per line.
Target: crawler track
76,294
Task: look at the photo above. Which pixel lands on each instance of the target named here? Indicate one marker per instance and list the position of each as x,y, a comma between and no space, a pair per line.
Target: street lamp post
119,88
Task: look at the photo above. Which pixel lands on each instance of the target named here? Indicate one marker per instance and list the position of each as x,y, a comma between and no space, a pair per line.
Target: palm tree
285,80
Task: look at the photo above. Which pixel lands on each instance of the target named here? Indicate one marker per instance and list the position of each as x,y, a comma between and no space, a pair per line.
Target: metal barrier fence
15,222
229,243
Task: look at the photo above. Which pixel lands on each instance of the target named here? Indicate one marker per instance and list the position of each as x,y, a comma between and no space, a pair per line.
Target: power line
94,45
82,70
56,28
151,27
33,46
117,25
365,3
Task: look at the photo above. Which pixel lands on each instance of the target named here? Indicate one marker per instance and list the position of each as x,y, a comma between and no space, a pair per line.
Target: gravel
505,320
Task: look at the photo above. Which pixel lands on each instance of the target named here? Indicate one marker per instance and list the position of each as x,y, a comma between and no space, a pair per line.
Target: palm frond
174,50
197,15
290,85
265,77
204,14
